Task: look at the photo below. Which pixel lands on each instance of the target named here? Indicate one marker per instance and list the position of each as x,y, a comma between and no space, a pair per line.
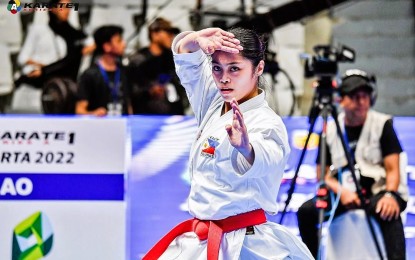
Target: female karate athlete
237,158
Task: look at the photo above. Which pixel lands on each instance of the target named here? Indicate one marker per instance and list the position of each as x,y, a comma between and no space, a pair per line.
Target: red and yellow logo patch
209,146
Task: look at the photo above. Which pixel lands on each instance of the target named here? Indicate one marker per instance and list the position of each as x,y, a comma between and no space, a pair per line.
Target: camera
325,62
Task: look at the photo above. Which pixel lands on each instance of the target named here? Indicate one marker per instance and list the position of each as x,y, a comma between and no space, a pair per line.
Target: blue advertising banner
58,186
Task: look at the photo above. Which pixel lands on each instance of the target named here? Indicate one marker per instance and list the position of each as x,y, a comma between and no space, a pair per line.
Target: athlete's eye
234,69
216,68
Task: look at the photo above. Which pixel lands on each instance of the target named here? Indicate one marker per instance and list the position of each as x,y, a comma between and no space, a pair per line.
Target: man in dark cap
155,86
375,148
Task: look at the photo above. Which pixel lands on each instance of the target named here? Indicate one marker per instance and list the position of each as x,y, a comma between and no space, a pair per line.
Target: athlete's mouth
225,90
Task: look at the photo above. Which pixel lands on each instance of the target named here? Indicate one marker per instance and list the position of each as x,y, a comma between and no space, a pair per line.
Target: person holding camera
376,150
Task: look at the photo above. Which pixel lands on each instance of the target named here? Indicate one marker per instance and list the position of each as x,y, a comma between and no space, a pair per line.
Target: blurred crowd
60,69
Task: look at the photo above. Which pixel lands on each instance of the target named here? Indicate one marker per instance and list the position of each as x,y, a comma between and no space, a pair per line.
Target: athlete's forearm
188,43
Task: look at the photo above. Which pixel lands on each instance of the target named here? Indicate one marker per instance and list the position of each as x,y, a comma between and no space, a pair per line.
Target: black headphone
369,78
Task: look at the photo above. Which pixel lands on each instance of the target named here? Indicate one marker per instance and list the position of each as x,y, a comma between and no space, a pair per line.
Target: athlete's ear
260,68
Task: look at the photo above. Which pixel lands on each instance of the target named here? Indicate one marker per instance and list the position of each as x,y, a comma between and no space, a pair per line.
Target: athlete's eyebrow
230,63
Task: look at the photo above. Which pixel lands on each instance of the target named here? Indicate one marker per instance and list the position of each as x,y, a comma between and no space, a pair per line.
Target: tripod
322,105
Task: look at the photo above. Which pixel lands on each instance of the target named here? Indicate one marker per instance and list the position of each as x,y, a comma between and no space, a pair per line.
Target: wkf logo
14,6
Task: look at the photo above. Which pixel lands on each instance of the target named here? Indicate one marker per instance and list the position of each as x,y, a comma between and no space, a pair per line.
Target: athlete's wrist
248,153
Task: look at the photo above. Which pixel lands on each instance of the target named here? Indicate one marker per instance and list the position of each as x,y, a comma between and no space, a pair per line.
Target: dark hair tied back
253,45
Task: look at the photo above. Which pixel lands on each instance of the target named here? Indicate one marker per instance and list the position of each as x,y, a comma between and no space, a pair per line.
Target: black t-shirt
93,88
146,70
389,144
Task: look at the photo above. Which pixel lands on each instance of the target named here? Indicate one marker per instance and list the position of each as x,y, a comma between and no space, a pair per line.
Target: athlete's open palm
238,135
216,39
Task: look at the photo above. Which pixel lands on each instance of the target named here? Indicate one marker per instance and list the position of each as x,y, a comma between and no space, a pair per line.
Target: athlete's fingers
234,105
232,43
240,119
235,121
226,34
231,39
228,129
229,49
234,102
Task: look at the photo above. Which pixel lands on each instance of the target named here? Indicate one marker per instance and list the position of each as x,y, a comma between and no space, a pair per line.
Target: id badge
347,179
114,109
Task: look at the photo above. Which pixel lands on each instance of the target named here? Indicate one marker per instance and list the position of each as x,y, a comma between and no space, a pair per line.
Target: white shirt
41,45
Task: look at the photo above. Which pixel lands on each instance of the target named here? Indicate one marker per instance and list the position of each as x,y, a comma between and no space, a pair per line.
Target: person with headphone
375,148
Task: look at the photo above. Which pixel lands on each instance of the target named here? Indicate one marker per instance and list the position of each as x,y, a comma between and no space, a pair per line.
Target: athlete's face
356,106
235,76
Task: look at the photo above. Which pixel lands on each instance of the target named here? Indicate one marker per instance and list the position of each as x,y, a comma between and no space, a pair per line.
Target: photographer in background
155,86
374,146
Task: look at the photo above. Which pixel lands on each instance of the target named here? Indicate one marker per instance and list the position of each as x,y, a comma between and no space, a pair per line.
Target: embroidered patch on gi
209,146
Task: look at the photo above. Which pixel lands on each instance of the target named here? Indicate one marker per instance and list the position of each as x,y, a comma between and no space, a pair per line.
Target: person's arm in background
387,206
391,163
68,65
81,108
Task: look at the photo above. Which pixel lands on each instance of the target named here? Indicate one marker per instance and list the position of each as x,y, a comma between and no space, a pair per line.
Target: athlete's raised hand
238,135
210,40
216,39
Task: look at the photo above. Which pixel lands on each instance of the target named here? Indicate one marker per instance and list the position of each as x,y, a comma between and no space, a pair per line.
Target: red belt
212,230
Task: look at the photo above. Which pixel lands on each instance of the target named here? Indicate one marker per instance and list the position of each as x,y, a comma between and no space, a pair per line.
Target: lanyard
346,141
113,86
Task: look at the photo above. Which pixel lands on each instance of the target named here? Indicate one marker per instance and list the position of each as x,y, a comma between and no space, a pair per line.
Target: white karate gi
223,183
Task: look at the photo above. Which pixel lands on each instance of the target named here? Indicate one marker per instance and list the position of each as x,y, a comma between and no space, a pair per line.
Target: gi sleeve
271,153
195,74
